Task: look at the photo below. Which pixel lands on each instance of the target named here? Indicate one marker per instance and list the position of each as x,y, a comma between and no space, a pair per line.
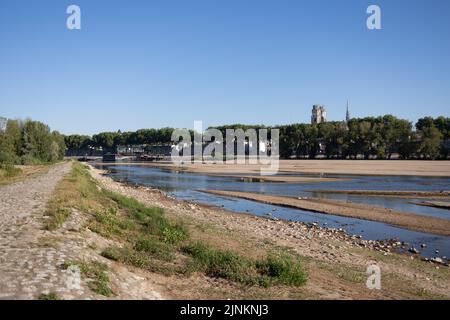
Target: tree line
368,138
30,142
109,141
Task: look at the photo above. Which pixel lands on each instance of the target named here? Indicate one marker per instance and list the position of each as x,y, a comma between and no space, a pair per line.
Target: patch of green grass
152,218
96,272
141,259
283,269
422,292
77,190
221,264
128,256
174,234
108,223
8,170
57,217
155,248
9,173
275,269
49,296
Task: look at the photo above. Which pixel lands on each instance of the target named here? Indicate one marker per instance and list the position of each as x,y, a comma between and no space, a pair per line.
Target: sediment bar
400,219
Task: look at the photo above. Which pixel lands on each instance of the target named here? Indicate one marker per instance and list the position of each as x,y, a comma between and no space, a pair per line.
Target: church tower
319,115
347,114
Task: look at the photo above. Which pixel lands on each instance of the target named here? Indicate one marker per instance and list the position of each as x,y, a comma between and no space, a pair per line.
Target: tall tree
430,142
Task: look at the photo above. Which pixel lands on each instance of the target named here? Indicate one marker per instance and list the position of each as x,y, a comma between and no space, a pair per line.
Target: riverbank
318,167
336,262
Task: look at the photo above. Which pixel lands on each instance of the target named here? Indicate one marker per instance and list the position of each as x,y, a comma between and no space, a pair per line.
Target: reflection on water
186,185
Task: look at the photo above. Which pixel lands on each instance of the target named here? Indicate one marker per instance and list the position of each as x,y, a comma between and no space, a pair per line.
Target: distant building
319,115
109,157
159,150
130,150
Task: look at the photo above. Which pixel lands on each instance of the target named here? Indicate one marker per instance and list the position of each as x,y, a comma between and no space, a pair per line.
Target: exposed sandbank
281,179
434,204
390,193
319,167
340,208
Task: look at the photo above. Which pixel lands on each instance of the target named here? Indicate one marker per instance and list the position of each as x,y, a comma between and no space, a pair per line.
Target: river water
188,186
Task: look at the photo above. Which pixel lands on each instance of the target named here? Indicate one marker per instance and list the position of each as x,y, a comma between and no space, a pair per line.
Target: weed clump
96,272
275,269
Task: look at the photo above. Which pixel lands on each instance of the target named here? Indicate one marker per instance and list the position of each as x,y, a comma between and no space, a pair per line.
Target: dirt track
31,257
26,268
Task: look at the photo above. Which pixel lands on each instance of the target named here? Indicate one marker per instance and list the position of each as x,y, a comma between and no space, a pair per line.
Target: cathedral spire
347,114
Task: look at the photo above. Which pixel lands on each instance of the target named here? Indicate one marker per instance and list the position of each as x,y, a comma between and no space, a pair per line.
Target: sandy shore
320,167
389,193
434,204
280,179
354,210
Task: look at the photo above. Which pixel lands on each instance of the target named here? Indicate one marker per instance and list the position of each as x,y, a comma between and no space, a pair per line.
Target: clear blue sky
154,63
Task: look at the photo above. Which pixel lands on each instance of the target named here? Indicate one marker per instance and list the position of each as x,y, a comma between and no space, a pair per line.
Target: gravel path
31,258
26,268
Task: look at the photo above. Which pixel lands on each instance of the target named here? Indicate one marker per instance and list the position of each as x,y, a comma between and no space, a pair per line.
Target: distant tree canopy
370,138
108,141
30,142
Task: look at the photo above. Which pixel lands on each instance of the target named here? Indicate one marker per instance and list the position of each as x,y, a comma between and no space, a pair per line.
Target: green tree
37,143
327,138
430,142
11,142
58,147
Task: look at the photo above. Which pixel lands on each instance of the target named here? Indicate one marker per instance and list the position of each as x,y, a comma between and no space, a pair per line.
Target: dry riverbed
319,167
336,262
